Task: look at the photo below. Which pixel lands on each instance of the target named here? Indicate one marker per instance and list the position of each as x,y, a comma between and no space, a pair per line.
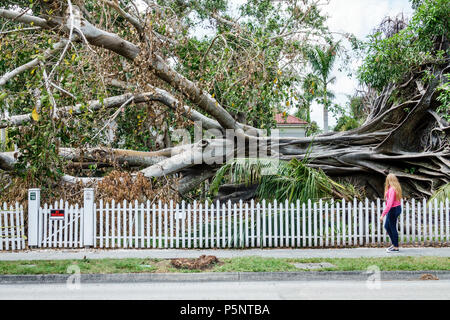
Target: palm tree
322,60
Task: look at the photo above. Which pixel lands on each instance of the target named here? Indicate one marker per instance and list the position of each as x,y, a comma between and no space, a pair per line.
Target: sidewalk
59,254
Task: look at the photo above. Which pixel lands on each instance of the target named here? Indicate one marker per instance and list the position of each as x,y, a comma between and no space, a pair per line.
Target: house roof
290,120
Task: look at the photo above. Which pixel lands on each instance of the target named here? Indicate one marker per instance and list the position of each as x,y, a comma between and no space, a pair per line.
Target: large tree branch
111,102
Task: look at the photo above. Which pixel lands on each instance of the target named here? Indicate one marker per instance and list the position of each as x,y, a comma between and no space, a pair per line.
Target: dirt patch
163,266
201,263
428,276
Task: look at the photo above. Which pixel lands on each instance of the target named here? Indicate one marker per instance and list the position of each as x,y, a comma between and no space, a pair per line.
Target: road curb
223,276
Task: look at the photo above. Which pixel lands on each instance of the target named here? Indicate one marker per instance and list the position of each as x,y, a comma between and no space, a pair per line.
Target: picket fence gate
12,234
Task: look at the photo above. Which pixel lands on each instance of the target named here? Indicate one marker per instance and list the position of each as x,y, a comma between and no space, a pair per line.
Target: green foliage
392,59
279,180
356,116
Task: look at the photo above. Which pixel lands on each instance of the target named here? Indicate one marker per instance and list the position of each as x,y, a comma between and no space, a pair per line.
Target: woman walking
393,209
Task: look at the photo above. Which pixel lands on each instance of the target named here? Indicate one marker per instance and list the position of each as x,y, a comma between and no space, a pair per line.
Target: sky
358,17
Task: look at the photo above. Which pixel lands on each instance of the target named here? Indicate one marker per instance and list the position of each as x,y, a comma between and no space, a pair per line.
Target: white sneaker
392,250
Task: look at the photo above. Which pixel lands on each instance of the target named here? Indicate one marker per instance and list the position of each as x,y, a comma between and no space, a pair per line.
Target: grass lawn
247,264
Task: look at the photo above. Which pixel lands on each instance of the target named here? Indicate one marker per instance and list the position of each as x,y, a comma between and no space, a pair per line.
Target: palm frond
281,180
442,193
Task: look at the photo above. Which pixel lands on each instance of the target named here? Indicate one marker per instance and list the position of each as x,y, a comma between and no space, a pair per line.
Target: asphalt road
303,290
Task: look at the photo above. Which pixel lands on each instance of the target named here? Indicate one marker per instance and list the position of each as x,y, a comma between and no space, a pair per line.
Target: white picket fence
12,234
299,225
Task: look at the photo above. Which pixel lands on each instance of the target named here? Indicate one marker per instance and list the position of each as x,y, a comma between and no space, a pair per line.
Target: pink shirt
390,201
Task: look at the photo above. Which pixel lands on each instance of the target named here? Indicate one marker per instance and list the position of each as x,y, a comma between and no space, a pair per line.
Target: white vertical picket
407,223
241,224
154,226
131,220
115,236
100,214
320,217
258,225
70,227
413,220
171,223
16,225
275,224
61,228
206,225
373,222
223,225
338,224
378,222
246,226
292,226
315,223
327,240
441,223
264,223
344,225
350,215
419,222
270,232
436,222
22,227
78,225
108,222
194,222
252,223
298,223
166,228
401,234
177,226
304,234
200,223
332,218
2,233
286,223
447,220
229,214
281,225
124,224
218,224
135,231
140,213
309,224
160,224
212,209
430,223
366,221
235,229
357,231
120,215
11,225
189,225
147,223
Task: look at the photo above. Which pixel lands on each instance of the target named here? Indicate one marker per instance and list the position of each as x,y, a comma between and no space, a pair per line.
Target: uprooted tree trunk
407,138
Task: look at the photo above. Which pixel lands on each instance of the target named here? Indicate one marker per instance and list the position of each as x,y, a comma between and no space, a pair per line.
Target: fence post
34,202
88,221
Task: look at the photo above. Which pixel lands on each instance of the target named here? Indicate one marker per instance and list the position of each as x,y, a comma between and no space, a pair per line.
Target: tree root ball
203,262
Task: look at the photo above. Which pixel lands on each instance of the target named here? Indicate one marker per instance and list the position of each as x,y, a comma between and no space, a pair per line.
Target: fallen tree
404,133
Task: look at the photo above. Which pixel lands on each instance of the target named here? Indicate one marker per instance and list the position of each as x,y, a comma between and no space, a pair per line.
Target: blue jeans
391,224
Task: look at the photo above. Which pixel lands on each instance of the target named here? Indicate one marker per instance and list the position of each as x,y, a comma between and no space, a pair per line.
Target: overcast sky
359,17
